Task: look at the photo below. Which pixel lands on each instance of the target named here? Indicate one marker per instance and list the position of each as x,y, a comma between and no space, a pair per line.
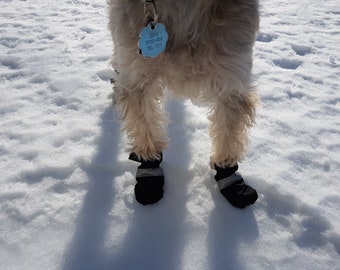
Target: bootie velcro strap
225,182
233,187
150,172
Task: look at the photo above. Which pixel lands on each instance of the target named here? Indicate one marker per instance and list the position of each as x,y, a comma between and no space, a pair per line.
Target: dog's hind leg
143,119
230,120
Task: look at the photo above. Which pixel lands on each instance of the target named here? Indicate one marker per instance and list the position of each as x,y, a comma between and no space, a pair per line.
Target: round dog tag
152,40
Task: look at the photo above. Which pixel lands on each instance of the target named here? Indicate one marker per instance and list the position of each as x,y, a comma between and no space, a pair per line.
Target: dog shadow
84,250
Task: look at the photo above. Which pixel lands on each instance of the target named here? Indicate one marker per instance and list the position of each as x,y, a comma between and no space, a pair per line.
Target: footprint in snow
10,62
39,174
301,50
9,42
263,37
287,63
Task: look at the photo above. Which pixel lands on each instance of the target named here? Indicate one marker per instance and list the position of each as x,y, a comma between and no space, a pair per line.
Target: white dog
198,49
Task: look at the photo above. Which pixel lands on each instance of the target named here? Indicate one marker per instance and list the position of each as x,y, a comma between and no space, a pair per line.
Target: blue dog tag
152,40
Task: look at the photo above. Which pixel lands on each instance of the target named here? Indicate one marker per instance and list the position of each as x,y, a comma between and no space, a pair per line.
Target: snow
66,188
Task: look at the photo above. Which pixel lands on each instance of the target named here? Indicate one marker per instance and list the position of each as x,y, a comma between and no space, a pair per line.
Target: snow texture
66,187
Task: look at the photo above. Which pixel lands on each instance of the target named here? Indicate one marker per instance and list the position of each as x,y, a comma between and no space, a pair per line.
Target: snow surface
66,189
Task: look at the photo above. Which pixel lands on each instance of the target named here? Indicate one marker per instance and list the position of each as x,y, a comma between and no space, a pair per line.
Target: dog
198,49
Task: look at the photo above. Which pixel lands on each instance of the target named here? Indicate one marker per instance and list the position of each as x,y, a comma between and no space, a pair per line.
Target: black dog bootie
233,188
150,180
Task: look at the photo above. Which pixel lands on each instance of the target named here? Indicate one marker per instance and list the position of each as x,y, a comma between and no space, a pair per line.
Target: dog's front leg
230,121
143,121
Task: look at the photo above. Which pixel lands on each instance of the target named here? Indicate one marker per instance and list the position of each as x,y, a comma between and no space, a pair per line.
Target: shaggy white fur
208,58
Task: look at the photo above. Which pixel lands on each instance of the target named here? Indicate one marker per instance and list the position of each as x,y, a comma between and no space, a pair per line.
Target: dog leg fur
230,120
143,119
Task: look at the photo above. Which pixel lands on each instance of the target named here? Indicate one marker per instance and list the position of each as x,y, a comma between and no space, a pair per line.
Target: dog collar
150,12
